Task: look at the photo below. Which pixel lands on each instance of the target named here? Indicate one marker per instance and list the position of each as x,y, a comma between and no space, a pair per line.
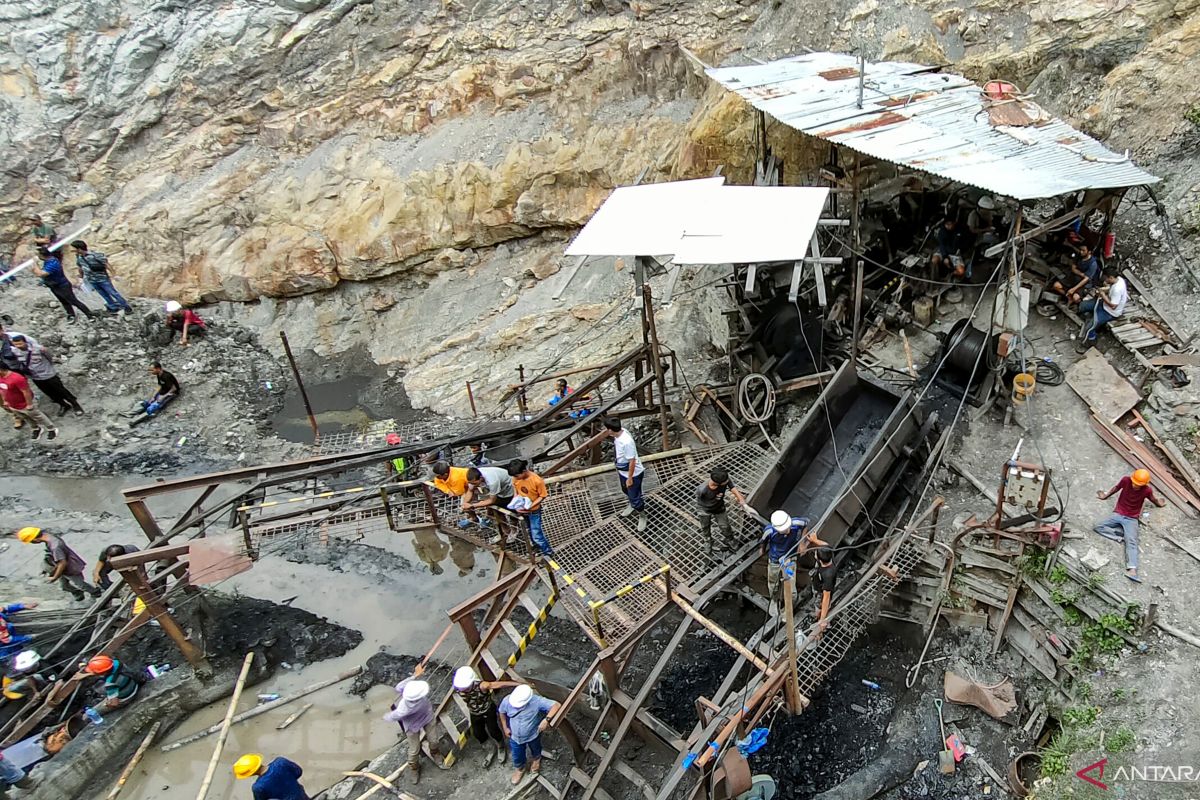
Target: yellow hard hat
247,766
28,534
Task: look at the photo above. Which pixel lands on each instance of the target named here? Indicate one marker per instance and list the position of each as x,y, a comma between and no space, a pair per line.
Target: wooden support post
433,512
858,296
659,375
140,584
522,399
145,519
233,701
387,508
247,539
792,692
312,418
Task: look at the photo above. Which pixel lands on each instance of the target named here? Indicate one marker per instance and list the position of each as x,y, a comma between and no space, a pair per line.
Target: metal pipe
52,248
312,420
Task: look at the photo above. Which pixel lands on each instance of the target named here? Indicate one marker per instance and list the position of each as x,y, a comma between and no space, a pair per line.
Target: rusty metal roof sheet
917,117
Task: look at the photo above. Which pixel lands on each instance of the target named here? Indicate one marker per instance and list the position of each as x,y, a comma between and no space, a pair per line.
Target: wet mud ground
379,587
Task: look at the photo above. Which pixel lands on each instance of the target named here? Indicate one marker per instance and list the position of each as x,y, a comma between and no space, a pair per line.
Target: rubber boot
490,757
414,773
628,510
643,521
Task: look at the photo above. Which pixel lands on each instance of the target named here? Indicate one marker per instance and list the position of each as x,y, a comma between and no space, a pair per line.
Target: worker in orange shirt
453,481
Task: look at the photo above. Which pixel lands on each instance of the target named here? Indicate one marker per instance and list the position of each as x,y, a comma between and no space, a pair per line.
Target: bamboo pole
720,633
374,789
264,708
133,762
287,722
384,782
437,644
233,701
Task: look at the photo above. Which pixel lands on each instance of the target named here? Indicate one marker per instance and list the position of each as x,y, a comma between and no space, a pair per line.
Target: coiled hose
766,403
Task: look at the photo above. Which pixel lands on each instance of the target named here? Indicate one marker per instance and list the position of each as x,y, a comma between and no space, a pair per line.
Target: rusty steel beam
140,584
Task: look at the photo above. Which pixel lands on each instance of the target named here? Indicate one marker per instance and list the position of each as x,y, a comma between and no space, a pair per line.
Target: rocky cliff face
409,170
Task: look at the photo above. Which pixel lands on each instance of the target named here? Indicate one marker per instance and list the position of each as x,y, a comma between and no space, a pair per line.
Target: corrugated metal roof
930,121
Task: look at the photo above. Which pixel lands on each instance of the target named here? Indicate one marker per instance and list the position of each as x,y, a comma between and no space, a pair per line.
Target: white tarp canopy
704,222
752,224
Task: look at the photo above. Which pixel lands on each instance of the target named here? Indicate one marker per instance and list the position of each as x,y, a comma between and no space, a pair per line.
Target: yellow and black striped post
532,633
567,578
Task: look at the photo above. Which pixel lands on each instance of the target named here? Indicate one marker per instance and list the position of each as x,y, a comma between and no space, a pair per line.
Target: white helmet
415,690
26,659
520,696
987,203
465,678
781,521
173,306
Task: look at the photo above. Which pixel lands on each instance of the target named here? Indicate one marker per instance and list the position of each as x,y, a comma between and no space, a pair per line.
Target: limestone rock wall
403,174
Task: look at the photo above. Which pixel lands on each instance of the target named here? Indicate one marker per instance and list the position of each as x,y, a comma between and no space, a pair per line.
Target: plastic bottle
93,716
870,684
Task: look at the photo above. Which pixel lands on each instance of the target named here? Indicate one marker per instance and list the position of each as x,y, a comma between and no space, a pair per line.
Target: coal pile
845,727
384,668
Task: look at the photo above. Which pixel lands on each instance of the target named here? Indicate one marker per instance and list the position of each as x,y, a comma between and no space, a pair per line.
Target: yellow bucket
1023,386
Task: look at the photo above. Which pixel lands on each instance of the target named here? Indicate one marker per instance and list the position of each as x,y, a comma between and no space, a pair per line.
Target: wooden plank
1183,465
1181,546
1138,457
1149,300
1177,360
1098,384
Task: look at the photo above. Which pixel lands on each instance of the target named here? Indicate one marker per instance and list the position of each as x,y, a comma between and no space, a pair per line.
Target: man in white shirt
629,470
1109,304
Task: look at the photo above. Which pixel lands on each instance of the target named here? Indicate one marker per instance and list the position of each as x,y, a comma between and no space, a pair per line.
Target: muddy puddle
91,495
337,405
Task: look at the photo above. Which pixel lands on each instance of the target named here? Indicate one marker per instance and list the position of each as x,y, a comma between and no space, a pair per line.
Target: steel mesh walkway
818,657
611,554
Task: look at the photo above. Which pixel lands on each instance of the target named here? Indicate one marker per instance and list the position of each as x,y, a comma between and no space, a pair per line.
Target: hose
1047,372
745,403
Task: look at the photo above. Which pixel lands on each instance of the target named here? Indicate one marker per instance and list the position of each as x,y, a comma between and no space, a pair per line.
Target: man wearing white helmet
785,538
481,705
184,320
523,716
413,711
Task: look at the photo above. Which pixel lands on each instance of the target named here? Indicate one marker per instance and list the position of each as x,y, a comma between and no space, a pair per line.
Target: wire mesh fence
375,434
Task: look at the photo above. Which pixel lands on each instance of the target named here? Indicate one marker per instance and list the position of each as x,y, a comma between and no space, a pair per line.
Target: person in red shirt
1122,524
185,321
18,398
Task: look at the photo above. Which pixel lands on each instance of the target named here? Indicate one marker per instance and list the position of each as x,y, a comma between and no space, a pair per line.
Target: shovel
945,757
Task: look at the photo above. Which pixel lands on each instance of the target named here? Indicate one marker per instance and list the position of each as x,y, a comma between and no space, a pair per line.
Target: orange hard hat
99,665
1140,477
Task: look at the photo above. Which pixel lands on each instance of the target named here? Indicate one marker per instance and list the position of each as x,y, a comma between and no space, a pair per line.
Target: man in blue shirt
785,539
523,717
279,780
51,273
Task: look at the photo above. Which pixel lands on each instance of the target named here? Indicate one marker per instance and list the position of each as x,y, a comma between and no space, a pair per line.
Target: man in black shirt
168,391
103,570
710,499
824,578
168,388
